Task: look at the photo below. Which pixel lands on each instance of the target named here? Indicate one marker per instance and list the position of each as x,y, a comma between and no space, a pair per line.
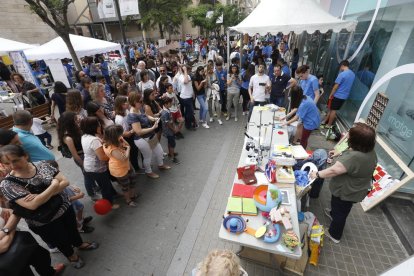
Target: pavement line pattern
184,249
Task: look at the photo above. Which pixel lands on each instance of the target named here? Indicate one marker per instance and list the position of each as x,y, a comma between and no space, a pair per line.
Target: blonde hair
220,263
94,89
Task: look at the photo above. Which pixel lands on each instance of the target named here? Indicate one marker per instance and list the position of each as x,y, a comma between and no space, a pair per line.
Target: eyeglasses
162,71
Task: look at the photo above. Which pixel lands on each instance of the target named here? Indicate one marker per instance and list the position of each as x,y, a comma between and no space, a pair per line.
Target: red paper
242,190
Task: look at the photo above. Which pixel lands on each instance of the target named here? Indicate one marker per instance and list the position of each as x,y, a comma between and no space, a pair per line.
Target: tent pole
348,45
228,49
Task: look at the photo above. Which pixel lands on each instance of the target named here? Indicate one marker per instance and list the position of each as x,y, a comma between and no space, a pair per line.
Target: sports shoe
95,198
205,125
175,160
220,122
153,175
236,119
86,229
54,250
328,213
244,113
211,120
227,118
87,219
331,238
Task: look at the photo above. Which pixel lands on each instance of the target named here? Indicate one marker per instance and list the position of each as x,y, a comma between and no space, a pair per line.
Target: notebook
299,152
242,190
241,206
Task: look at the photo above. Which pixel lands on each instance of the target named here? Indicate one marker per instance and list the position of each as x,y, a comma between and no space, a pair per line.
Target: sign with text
22,66
128,7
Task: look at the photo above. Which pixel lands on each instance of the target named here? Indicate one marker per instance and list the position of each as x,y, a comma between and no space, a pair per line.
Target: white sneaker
330,237
211,120
54,250
220,122
235,119
244,113
205,125
227,118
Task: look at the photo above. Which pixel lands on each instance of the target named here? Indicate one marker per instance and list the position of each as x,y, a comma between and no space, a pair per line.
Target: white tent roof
7,45
84,46
273,16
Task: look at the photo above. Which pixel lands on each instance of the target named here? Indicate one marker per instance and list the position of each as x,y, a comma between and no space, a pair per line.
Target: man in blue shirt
221,74
31,144
340,92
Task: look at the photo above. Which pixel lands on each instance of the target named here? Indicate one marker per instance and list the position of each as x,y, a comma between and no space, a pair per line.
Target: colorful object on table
246,173
102,206
273,233
285,174
260,232
234,224
281,215
267,197
241,206
280,132
243,190
270,171
290,240
301,178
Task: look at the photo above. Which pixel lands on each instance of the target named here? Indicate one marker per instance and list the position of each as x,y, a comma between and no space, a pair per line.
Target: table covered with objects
261,214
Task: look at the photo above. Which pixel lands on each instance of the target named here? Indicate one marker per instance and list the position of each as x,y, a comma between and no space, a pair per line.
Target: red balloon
102,206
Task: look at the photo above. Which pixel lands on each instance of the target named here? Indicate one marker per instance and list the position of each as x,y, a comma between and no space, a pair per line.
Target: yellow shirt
117,168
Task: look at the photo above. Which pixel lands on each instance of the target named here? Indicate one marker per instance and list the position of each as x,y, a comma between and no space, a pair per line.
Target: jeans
251,108
188,112
279,101
340,210
214,107
144,147
62,232
88,182
45,136
246,98
104,181
223,99
232,98
203,107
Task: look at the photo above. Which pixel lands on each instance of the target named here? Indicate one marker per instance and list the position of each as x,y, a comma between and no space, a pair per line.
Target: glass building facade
381,51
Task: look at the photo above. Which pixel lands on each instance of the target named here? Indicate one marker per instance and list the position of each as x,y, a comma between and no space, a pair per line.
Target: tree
54,13
198,16
167,15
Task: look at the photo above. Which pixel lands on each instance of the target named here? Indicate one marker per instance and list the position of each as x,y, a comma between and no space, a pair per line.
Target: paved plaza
178,218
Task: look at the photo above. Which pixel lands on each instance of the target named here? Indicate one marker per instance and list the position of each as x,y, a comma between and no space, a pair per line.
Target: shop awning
274,16
7,45
84,46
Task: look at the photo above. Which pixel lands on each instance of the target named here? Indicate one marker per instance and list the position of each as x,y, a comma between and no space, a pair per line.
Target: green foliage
231,16
164,14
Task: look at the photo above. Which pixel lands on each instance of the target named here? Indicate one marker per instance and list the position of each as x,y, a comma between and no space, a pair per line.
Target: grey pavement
179,215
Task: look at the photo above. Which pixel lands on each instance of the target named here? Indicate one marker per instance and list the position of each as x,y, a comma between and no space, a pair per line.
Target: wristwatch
5,230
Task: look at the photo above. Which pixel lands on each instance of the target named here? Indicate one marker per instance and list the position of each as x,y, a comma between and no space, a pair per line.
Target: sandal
164,167
78,263
131,204
89,246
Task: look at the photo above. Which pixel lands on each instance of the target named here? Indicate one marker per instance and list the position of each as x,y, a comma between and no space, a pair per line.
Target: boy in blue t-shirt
340,92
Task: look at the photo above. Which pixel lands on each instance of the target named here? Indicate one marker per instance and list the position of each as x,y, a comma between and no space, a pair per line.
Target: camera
250,145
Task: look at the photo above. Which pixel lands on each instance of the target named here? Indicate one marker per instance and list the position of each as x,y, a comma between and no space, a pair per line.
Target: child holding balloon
118,150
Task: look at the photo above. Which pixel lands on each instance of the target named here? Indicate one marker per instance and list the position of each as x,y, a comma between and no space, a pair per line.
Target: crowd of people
112,125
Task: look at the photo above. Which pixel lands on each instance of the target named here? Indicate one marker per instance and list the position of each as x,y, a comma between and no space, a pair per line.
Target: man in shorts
340,92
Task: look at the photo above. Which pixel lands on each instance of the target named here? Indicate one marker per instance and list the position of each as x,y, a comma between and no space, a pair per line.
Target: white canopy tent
274,16
7,45
84,46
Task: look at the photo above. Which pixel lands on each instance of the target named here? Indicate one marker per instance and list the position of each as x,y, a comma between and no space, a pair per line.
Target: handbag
153,141
14,260
44,213
64,150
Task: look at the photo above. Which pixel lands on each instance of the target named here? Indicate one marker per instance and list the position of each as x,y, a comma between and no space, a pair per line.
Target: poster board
58,71
377,110
22,66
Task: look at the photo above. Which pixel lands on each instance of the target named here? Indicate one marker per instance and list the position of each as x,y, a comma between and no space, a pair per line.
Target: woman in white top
145,82
95,162
121,112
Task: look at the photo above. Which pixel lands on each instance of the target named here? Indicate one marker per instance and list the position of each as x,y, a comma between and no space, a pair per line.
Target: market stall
262,211
53,51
